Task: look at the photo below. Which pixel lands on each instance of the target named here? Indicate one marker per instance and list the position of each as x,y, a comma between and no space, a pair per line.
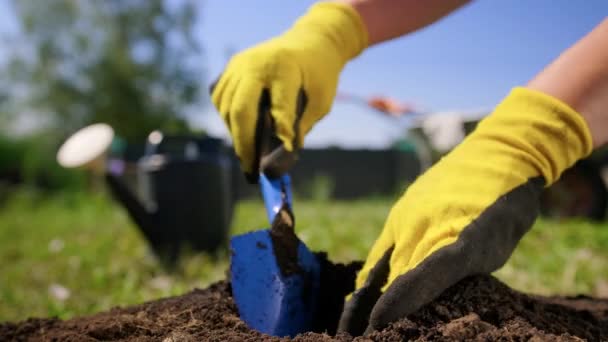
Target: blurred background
156,221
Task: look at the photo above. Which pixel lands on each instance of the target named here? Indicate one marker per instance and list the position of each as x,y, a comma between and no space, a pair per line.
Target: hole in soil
337,281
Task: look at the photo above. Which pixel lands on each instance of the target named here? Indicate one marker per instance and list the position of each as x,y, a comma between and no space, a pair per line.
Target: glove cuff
337,22
552,135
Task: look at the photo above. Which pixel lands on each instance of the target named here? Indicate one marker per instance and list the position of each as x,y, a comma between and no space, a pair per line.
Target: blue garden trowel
275,278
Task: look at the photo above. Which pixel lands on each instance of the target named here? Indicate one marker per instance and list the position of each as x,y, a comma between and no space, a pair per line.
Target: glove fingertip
357,310
244,119
223,92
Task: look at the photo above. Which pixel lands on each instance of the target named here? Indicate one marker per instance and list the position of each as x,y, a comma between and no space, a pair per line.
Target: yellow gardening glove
467,213
308,57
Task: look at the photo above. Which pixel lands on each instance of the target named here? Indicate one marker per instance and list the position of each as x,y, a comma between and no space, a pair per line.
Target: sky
466,61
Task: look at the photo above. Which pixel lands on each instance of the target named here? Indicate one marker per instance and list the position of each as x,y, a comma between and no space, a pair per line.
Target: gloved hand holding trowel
467,213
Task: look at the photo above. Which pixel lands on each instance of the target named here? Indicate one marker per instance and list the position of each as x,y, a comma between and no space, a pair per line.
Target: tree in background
131,63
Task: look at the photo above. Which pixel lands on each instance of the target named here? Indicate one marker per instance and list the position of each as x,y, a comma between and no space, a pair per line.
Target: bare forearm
579,77
388,19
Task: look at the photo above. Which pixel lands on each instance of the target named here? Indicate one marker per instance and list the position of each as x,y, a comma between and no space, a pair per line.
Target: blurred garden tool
275,278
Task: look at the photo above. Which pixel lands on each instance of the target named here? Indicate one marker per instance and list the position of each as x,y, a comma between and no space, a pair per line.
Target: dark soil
477,308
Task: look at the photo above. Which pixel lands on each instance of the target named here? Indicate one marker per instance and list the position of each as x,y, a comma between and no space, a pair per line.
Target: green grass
87,245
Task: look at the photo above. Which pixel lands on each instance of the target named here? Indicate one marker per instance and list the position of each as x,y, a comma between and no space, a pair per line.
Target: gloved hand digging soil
467,213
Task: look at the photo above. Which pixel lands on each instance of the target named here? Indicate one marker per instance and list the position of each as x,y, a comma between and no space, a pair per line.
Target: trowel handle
275,160
276,193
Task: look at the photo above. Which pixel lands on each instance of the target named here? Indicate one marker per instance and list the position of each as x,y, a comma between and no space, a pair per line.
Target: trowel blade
269,299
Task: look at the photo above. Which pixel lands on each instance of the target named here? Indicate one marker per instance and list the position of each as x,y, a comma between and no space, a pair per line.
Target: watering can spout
142,217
